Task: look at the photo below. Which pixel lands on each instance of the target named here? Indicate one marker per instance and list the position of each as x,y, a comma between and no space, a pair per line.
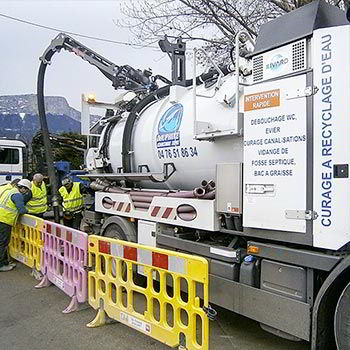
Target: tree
70,147
67,147
212,22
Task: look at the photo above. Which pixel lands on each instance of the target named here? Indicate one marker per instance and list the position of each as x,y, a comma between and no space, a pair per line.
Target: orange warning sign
265,99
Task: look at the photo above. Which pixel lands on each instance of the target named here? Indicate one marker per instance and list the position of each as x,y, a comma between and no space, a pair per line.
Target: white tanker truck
247,169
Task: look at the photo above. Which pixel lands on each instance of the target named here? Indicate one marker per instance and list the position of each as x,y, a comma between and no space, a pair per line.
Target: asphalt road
31,319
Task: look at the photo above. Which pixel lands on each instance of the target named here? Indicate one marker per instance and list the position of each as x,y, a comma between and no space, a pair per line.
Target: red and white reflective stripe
123,207
163,212
144,256
62,233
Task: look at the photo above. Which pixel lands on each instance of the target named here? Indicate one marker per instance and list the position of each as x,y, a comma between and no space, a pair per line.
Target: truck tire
342,320
119,228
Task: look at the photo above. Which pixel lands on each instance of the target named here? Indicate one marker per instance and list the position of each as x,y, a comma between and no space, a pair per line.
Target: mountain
19,116
55,105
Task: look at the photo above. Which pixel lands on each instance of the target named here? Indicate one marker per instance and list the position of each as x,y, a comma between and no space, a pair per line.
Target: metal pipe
185,209
147,193
211,186
209,195
101,182
199,192
107,203
194,97
114,190
242,32
181,194
147,196
208,186
141,205
96,187
187,216
102,187
141,209
237,73
204,183
108,200
142,199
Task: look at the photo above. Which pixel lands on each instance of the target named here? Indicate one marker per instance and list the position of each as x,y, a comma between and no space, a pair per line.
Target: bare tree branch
212,22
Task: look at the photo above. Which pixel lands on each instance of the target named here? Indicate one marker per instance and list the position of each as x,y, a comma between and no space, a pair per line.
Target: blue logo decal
277,63
168,127
171,119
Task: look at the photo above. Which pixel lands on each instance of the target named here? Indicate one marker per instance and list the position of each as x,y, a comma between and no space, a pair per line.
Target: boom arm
122,77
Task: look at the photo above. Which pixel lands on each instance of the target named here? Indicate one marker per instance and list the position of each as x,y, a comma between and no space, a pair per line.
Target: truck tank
164,133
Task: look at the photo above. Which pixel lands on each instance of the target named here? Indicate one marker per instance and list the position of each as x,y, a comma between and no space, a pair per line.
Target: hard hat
25,183
38,177
66,181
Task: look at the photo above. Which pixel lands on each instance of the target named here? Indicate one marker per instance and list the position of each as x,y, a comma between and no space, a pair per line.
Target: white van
12,160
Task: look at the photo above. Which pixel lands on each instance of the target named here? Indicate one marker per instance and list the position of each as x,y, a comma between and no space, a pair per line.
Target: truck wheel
342,320
119,228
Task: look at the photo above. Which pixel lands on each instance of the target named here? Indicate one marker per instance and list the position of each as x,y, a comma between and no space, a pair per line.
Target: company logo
171,119
168,127
277,63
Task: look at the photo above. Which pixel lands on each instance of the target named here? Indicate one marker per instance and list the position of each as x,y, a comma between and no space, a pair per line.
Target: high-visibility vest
72,201
38,202
8,210
4,188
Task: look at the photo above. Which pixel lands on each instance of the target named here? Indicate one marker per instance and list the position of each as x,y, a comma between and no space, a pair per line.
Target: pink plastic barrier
64,256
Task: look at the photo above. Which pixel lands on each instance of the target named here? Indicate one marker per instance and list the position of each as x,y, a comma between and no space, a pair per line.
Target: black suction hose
46,137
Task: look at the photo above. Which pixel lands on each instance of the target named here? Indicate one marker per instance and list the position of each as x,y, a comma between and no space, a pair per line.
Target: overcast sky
21,45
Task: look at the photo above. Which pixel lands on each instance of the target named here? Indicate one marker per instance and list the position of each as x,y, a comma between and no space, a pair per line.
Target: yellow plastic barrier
162,312
27,241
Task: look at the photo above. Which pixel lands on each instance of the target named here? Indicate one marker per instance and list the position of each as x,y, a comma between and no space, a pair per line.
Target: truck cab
12,154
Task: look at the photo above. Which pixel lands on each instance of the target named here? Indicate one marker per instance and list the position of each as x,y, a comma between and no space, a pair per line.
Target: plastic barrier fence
166,314
27,241
65,255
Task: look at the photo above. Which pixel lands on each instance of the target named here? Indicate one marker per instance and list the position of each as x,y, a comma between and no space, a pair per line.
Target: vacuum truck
246,165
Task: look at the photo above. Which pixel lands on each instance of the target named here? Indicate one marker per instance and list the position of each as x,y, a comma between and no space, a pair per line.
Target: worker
11,206
37,204
8,186
72,201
